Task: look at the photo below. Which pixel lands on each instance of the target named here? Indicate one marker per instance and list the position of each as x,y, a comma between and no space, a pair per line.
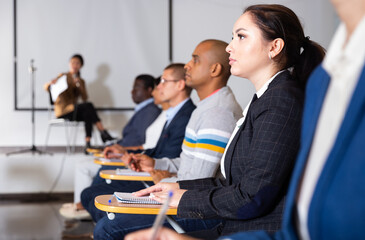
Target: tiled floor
35,220
30,221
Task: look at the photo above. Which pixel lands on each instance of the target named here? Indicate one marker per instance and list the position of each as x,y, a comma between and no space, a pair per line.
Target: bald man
207,133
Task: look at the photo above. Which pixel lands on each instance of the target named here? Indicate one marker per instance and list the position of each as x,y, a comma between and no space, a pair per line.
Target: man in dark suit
174,91
146,112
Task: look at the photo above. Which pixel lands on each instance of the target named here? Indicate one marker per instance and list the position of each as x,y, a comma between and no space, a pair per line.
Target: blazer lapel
165,130
232,146
230,150
349,126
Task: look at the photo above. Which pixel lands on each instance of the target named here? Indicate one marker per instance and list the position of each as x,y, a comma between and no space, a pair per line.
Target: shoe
71,212
67,205
105,136
87,146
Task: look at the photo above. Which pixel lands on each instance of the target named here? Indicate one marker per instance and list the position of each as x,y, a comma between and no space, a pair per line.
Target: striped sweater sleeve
204,143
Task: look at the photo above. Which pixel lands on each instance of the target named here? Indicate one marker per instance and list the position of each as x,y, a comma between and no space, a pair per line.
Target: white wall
15,126
194,20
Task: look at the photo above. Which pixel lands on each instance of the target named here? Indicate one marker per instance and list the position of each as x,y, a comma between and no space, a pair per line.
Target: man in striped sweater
211,123
207,133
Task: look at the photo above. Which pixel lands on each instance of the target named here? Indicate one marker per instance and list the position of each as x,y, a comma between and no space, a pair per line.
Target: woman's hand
160,192
54,81
174,201
76,81
160,187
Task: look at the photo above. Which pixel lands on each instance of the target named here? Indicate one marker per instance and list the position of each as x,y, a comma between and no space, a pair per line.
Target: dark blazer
134,133
258,165
170,141
171,138
337,208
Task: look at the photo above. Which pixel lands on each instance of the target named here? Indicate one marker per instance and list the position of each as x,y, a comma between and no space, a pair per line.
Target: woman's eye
241,37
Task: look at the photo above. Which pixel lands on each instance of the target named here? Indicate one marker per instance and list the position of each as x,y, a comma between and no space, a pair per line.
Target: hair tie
305,43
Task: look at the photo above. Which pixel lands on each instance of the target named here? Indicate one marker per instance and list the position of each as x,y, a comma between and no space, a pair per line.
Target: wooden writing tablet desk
94,150
112,175
102,203
98,154
118,163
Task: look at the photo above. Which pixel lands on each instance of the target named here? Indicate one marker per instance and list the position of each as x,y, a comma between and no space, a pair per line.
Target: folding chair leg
73,145
67,138
47,137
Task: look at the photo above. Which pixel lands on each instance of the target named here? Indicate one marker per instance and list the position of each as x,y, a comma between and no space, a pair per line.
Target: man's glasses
162,81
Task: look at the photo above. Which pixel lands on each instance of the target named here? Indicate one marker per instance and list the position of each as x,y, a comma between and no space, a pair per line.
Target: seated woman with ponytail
269,49
67,106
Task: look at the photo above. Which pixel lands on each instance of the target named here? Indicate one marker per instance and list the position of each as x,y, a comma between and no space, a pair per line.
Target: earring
270,56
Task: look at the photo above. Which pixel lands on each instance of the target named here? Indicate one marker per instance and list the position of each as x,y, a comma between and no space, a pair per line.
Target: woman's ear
215,69
276,47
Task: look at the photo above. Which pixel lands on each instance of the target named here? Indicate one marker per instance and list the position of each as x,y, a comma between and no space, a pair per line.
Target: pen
131,162
161,216
110,200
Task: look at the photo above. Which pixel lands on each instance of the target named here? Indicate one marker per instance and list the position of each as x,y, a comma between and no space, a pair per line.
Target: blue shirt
142,104
171,112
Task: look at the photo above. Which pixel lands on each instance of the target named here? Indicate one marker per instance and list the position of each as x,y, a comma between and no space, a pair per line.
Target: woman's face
156,94
75,65
249,51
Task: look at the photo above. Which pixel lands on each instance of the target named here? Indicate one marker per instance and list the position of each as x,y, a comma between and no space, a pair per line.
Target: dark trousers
84,112
123,224
97,179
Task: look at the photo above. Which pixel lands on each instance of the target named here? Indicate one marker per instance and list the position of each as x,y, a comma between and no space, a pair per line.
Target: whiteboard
119,39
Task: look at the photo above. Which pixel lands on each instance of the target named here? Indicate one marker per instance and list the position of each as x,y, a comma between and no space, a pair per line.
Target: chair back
50,107
50,98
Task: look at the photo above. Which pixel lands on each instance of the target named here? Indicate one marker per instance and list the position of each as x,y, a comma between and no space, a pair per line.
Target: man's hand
158,175
127,159
114,151
142,163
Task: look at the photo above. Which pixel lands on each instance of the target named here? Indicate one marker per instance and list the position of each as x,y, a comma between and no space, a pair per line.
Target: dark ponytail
311,56
299,52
